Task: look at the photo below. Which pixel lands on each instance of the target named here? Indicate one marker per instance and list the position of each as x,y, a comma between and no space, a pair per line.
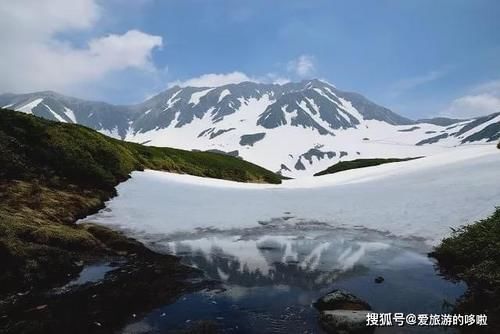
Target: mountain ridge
297,128
133,108
437,120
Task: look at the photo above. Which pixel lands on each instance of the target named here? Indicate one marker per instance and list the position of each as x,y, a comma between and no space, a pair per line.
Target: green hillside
472,254
358,163
52,174
34,147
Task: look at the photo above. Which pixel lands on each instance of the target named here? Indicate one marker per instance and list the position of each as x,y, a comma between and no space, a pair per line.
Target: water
90,274
270,277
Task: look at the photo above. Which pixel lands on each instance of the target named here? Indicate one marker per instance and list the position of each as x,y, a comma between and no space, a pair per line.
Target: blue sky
417,57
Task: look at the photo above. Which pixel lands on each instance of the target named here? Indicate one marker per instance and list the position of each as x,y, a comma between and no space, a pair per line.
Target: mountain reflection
310,262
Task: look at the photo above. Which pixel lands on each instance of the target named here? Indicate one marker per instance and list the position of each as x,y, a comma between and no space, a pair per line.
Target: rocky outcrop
251,139
342,312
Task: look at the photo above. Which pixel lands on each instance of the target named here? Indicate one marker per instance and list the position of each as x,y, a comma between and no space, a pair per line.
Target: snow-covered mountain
295,128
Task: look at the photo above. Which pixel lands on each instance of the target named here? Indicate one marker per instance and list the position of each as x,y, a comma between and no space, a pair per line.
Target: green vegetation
39,244
358,163
472,254
33,147
52,174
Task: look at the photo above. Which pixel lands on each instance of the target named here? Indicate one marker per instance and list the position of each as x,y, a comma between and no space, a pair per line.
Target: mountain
100,116
295,129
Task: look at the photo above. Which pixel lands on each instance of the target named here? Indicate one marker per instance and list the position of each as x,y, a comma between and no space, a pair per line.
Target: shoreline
141,280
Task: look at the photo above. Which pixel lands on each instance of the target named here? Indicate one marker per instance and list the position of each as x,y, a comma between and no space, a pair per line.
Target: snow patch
28,108
223,94
415,199
56,115
172,100
71,115
195,97
113,133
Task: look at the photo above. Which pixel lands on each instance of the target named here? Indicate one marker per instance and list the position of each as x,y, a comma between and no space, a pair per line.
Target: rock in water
342,312
341,300
379,279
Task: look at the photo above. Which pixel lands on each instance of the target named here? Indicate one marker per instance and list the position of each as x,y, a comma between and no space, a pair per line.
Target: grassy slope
358,163
37,147
472,254
51,174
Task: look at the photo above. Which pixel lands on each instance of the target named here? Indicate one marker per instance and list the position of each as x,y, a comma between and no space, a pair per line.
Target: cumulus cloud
303,66
214,80
483,99
35,58
473,105
221,79
37,19
275,79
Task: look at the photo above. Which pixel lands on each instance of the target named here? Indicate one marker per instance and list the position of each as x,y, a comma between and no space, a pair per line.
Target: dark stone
343,312
432,140
379,279
341,300
299,165
413,128
251,139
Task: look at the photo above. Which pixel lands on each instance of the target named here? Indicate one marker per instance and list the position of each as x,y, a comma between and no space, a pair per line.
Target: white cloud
132,49
37,59
473,106
37,19
303,66
221,79
280,80
214,80
483,99
274,78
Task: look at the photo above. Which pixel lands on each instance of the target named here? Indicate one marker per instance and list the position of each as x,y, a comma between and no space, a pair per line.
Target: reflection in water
89,274
270,277
308,260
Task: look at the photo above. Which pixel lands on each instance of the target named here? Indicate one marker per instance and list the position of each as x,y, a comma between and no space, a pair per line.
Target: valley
249,167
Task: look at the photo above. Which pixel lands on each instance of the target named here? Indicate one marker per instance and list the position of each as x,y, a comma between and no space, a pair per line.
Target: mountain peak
316,83
296,128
